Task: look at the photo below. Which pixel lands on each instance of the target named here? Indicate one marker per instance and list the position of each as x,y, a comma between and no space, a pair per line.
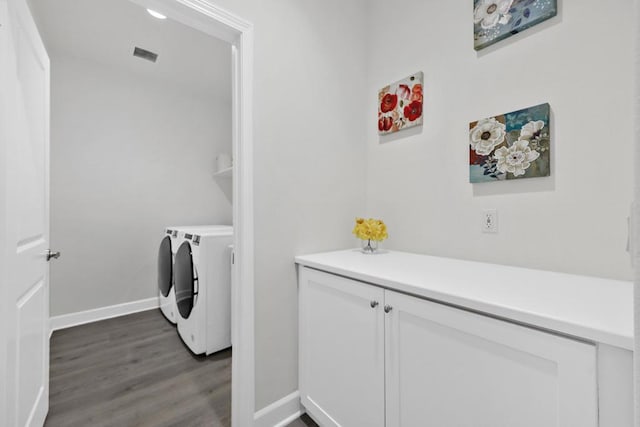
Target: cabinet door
447,367
341,350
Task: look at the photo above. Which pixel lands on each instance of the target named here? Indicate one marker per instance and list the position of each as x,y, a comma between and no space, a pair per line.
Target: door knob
50,254
374,304
387,308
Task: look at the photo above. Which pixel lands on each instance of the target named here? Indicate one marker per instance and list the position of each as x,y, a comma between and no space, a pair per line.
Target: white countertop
595,309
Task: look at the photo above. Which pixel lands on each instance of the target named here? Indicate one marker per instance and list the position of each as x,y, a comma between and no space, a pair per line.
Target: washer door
185,284
165,267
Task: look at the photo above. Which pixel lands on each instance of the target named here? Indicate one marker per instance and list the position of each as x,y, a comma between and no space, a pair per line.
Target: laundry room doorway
152,128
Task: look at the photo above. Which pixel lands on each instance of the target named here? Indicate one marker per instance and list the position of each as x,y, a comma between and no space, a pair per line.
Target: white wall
580,62
318,67
129,156
309,170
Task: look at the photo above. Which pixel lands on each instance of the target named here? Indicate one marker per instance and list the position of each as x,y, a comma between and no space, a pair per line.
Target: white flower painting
495,20
531,129
488,13
486,135
515,159
511,146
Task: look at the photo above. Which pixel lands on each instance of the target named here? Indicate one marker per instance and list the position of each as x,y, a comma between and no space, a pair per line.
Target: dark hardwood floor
303,421
135,371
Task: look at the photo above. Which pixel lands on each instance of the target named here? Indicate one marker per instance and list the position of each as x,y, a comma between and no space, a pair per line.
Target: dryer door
185,282
165,267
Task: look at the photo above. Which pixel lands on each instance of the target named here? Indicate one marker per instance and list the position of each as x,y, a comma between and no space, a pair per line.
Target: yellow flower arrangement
370,229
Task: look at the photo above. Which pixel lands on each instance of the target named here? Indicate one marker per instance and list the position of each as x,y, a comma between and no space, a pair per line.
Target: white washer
203,289
173,236
166,255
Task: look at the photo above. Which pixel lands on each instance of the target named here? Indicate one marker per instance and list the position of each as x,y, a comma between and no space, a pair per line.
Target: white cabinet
375,357
341,350
449,367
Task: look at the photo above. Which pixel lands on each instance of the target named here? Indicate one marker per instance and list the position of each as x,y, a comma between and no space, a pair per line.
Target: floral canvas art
511,146
400,105
495,20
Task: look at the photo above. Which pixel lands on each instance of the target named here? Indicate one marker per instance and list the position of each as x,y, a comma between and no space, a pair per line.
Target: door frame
3,208
205,16
634,229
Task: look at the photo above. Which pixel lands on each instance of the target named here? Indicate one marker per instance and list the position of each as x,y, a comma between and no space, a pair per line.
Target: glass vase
369,246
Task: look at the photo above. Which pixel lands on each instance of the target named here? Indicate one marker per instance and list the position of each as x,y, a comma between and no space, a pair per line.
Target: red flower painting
400,105
389,102
416,93
385,124
404,91
413,111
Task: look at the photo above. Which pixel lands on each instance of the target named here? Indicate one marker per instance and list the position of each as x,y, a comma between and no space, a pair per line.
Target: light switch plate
489,221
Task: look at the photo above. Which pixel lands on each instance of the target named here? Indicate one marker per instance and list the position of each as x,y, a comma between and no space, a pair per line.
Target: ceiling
107,31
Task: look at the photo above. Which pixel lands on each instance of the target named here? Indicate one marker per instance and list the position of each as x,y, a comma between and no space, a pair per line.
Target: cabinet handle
387,308
374,304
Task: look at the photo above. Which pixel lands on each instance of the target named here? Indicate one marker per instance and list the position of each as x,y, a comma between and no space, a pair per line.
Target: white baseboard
83,317
280,413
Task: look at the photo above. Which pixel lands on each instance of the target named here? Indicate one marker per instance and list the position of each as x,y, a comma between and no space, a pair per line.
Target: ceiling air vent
145,54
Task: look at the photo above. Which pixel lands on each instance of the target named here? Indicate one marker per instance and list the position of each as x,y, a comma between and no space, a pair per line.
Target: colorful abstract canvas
511,146
495,20
400,105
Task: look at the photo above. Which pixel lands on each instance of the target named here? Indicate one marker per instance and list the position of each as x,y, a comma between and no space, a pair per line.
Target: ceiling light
156,14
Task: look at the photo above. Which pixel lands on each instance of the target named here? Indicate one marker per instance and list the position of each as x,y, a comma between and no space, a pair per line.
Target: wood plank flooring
303,421
135,371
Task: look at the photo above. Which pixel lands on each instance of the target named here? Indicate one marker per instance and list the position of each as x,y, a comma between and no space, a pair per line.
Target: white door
341,350
451,368
24,122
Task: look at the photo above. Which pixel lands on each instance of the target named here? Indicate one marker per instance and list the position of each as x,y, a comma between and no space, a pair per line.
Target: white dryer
173,236
203,289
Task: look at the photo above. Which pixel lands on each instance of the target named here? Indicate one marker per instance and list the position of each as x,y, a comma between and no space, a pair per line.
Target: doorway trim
634,229
634,217
4,137
205,16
